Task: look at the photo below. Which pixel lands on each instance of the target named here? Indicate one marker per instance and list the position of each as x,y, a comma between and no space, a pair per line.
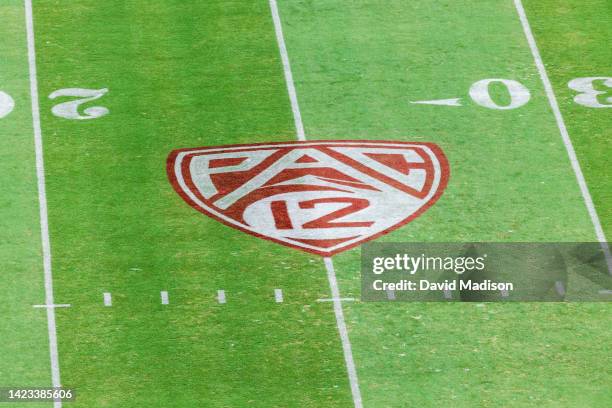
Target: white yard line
164,297
280,38
346,342
42,199
108,299
552,99
331,275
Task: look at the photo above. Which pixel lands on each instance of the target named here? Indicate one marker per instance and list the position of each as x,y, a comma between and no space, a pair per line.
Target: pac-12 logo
322,197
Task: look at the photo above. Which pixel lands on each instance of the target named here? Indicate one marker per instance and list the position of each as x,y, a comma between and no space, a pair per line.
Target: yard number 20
70,109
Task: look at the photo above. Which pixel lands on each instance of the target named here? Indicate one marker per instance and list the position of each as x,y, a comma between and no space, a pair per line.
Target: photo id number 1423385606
23,394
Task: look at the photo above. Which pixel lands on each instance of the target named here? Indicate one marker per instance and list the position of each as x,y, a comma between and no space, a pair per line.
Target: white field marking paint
70,110
346,344
280,39
52,306
519,95
260,218
552,99
221,296
448,294
504,293
444,102
588,94
560,288
278,295
42,200
605,292
164,297
6,104
390,294
336,299
331,275
108,299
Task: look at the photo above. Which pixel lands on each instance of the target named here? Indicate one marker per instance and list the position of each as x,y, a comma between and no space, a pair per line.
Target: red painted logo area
322,197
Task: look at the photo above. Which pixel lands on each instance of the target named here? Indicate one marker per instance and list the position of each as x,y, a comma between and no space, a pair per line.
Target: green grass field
203,73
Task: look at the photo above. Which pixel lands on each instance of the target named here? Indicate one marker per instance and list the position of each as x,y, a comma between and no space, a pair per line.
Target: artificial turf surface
188,74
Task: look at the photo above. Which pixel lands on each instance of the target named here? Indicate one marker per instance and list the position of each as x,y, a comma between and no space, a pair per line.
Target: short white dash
164,297
52,306
390,294
448,294
560,288
108,300
221,296
504,293
278,295
338,299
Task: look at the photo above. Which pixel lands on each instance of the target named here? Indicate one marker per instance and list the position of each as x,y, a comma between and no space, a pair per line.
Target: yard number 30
588,95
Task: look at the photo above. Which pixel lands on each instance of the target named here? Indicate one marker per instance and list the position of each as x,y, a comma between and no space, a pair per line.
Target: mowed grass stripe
329,263
569,146
24,348
42,203
574,44
357,68
179,75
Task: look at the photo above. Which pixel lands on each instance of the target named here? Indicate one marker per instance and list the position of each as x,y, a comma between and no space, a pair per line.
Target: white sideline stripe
336,299
108,299
221,296
280,38
52,306
278,295
564,133
42,200
331,275
164,297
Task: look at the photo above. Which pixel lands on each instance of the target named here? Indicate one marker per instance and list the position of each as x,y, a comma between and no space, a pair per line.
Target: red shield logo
323,197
